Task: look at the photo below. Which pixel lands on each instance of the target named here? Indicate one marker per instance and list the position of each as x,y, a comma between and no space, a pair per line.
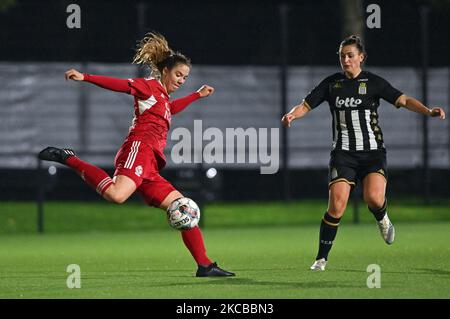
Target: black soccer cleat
54,154
212,271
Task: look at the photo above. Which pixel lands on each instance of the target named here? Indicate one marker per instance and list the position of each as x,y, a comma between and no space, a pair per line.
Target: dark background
217,32
220,33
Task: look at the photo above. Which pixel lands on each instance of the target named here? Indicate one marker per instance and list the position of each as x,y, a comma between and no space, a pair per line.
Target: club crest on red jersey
138,170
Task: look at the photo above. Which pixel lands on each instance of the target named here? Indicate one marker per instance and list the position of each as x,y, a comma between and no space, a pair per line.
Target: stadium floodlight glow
211,173
52,170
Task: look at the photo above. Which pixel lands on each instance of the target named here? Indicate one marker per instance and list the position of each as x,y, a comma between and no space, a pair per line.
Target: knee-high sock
95,177
380,212
193,239
328,230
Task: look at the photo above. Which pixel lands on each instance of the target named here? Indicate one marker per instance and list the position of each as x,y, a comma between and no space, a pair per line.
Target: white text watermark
235,145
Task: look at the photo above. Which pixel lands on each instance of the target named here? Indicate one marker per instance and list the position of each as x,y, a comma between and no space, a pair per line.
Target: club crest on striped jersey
362,88
138,170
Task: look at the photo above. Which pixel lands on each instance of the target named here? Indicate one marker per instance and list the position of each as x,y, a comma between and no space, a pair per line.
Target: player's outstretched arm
106,82
297,112
415,105
180,104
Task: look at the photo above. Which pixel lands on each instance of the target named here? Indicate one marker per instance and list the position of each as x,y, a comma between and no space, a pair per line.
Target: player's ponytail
354,39
154,51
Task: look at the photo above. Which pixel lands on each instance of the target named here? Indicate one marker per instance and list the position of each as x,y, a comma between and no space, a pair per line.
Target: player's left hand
437,112
205,90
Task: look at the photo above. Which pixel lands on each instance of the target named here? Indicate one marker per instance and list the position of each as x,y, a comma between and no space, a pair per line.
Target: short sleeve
387,92
318,94
139,88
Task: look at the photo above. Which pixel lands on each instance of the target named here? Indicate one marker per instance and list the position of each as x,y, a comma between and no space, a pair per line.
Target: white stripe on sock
102,183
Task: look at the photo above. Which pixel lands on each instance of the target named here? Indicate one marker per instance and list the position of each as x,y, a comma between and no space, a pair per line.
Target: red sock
95,177
193,240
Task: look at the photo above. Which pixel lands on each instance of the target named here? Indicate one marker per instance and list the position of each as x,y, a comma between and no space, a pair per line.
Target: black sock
379,213
328,230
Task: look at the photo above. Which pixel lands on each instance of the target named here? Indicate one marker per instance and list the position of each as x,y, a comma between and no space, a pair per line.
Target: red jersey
152,109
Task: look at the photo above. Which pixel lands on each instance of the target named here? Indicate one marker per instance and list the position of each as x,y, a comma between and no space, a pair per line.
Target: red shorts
137,161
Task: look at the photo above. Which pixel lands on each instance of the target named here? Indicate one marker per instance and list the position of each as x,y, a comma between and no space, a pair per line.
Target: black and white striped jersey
353,105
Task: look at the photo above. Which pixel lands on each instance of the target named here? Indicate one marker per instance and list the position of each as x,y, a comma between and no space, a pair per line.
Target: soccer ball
183,214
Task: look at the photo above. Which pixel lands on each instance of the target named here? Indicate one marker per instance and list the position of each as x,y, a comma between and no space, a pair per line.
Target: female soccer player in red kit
141,156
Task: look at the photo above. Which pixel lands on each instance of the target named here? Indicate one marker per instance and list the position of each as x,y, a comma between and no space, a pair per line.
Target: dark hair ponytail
154,51
353,39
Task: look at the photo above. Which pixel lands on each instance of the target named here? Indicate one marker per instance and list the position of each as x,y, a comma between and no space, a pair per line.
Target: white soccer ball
183,214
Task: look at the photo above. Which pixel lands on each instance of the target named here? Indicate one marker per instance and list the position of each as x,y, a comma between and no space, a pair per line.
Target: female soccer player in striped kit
141,156
358,149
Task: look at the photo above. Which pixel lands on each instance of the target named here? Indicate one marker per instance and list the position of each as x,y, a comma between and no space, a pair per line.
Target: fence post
83,113
201,192
40,198
283,11
424,14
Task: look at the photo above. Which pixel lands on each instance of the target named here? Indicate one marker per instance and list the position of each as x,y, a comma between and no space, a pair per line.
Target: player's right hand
73,74
205,90
287,119
437,112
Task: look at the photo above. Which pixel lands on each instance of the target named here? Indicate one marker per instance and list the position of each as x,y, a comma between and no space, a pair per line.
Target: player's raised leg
116,191
374,196
160,193
338,197
193,240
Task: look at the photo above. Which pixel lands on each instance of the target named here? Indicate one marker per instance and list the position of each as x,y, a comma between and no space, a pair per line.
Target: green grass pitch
270,262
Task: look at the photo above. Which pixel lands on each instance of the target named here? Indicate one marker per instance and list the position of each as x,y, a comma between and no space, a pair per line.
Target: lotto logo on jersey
347,102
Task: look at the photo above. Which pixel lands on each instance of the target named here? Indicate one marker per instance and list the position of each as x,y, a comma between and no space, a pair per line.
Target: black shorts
353,166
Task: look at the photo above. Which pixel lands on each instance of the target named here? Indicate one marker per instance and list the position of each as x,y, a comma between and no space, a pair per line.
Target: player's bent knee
115,197
375,201
337,208
339,205
336,213
170,199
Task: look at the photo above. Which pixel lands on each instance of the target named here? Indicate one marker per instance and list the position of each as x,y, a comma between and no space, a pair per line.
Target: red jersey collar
163,88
